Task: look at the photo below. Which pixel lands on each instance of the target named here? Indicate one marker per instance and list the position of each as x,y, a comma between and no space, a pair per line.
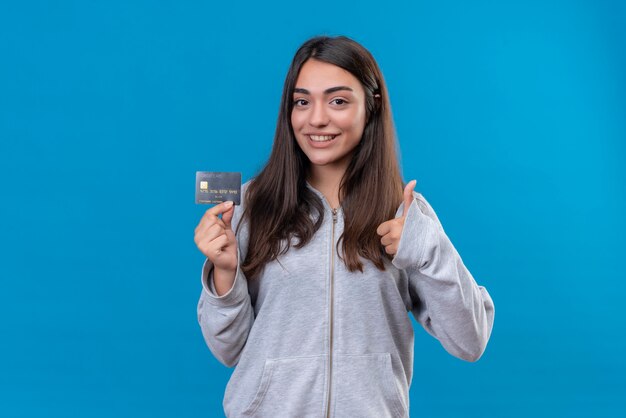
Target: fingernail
228,203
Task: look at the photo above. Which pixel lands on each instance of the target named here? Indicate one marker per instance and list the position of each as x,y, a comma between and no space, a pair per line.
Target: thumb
227,217
408,196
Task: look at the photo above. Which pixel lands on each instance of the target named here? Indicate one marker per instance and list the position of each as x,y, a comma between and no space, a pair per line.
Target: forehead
317,76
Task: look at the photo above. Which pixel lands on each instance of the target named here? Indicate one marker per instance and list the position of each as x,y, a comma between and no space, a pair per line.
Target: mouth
322,138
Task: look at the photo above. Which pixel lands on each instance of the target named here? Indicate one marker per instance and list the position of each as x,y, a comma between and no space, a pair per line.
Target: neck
326,179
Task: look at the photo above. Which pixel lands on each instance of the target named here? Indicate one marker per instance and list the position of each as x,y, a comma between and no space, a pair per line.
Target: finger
386,240
391,249
210,241
408,196
231,235
214,248
211,233
206,224
384,228
207,221
227,217
219,208
219,243
392,236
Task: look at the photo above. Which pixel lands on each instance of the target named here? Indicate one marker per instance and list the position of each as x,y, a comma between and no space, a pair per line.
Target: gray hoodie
309,338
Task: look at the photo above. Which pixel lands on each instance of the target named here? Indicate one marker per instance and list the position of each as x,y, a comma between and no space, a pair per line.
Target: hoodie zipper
330,344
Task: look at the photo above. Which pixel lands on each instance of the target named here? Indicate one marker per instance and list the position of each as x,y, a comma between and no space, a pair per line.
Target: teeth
321,138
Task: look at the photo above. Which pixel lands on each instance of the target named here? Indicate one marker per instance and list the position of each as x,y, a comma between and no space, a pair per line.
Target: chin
317,160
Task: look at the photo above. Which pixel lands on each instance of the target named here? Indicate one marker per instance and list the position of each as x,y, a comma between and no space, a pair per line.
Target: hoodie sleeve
226,320
445,298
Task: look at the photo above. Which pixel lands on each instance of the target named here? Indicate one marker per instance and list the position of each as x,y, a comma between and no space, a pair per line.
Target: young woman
308,283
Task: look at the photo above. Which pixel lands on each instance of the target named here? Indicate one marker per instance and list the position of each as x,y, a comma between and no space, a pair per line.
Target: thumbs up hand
391,231
215,237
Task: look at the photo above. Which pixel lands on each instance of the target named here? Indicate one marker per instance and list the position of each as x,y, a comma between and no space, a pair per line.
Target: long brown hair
278,203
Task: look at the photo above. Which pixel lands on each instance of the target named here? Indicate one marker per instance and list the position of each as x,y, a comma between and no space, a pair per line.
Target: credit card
217,187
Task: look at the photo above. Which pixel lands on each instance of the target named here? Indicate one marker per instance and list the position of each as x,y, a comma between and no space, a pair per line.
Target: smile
322,138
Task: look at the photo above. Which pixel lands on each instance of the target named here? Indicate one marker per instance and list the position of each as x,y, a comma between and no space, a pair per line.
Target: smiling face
328,115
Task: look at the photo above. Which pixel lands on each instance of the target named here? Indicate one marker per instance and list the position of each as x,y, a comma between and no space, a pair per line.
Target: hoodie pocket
365,386
289,387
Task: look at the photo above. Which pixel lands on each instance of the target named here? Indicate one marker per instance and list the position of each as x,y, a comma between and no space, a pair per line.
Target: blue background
511,115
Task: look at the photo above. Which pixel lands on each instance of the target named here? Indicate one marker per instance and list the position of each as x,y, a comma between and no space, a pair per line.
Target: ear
372,105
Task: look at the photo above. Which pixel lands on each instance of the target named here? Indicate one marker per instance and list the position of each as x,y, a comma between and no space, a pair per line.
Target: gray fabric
275,329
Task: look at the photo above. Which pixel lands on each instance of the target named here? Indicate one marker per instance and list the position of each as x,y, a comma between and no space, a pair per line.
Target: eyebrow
327,91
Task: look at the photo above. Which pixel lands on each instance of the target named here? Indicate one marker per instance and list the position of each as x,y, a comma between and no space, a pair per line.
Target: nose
319,116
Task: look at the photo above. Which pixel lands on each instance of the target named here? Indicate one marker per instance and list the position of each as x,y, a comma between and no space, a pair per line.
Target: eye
338,101
300,102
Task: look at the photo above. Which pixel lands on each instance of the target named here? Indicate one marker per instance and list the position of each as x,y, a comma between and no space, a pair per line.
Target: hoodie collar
321,195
